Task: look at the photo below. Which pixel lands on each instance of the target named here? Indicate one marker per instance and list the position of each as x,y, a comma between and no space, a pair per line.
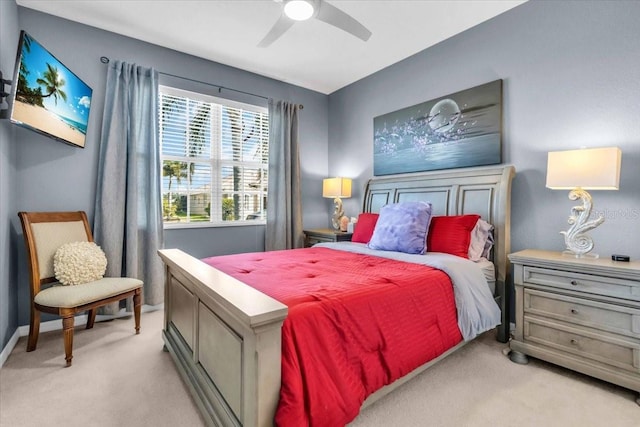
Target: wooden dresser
583,314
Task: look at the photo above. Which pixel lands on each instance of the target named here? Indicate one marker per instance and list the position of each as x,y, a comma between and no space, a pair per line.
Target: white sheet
477,310
489,271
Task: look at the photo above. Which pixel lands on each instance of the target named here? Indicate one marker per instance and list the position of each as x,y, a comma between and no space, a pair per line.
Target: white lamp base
578,243
568,253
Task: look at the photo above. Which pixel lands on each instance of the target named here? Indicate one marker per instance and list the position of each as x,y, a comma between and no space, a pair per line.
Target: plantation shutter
215,159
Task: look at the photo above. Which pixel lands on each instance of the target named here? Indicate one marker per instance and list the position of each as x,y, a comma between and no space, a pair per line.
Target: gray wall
52,176
8,284
570,74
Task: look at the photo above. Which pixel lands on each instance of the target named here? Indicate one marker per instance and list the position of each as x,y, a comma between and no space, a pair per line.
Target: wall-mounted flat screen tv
47,97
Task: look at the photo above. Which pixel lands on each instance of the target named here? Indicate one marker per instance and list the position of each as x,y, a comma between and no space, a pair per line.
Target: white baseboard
56,325
6,351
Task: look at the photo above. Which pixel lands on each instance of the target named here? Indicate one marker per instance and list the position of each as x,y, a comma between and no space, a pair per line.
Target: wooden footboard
225,338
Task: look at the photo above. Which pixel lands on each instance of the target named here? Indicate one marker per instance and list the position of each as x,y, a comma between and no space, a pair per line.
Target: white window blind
214,156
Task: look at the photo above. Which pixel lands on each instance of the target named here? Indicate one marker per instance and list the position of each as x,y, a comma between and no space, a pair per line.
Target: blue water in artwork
82,127
480,150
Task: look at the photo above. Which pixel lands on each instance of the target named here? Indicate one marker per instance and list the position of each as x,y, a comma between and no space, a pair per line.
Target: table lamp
336,188
578,171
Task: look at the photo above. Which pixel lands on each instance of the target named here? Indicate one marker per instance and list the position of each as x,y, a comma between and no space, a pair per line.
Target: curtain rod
106,60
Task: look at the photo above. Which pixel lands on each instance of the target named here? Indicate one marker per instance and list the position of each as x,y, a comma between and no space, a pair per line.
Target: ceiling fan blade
334,16
279,28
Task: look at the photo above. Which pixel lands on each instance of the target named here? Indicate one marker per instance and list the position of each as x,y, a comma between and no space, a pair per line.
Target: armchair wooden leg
67,325
137,303
34,329
91,317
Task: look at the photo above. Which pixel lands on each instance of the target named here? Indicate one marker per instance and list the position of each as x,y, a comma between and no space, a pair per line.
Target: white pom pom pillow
79,262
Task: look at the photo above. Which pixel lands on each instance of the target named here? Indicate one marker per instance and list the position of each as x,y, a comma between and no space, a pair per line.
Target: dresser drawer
322,235
607,317
609,350
587,283
312,240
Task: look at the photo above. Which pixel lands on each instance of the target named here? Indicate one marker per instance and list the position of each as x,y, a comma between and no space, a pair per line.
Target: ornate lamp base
571,254
337,213
578,243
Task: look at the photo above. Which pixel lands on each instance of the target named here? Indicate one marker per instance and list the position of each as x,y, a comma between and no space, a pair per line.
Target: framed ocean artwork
454,131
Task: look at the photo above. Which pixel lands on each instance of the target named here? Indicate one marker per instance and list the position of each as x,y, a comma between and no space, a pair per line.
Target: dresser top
552,259
325,231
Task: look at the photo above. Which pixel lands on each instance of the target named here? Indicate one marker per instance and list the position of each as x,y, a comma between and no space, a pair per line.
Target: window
214,154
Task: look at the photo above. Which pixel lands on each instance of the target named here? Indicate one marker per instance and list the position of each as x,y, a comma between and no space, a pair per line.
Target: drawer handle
574,341
574,311
574,283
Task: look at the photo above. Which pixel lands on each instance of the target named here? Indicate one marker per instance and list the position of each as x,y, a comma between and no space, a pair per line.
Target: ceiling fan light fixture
298,10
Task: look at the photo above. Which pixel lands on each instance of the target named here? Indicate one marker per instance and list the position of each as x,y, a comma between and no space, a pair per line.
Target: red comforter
355,324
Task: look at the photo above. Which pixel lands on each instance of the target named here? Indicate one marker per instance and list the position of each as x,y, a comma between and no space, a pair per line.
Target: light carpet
122,379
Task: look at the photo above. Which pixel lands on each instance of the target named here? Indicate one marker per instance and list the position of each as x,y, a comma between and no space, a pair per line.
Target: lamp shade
336,187
588,168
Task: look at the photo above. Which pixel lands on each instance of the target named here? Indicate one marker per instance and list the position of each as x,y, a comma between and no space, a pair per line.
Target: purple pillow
402,227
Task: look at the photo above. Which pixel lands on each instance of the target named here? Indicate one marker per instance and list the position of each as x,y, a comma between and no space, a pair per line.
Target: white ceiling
311,54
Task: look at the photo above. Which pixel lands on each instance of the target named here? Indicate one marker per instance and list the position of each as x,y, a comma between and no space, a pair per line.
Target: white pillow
79,262
481,240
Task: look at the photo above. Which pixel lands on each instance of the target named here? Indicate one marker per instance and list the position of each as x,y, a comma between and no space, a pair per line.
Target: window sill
183,225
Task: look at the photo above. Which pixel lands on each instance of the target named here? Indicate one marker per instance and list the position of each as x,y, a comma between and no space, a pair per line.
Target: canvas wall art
458,130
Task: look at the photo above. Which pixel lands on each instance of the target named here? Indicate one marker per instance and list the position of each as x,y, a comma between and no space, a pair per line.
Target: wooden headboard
485,191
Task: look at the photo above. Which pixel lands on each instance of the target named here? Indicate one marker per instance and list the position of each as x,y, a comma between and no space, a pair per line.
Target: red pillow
451,234
364,227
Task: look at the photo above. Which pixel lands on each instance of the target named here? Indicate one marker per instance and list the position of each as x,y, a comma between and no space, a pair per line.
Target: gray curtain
284,207
128,215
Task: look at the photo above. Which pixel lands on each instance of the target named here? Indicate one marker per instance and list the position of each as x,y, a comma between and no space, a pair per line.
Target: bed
226,336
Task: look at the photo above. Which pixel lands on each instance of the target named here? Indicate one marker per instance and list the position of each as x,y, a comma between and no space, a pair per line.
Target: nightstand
319,235
583,314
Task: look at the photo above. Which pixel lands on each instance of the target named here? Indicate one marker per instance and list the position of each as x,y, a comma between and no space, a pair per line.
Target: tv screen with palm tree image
48,97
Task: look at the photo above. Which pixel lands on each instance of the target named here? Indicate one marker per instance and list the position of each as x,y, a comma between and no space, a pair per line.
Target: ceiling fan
301,10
